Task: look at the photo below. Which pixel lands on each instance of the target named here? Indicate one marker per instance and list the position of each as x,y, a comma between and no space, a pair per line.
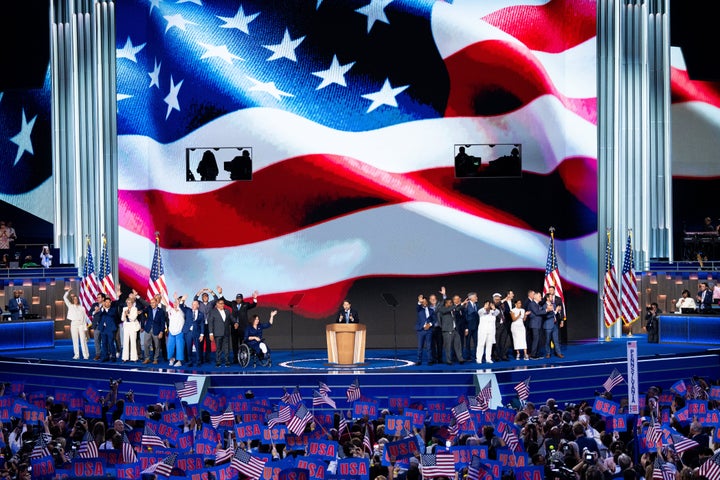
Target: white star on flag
218,51
239,21
334,74
22,139
375,11
129,50
269,88
385,96
284,49
177,21
155,75
171,99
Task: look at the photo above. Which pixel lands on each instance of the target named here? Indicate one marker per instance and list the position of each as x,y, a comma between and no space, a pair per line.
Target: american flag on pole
227,416
151,439
509,436
711,468
353,391
89,285
654,432
613,380
156,282
283,415
323,388
461,413
106,279
320,398
630,305
366,439
343,424
163,467
375,107
523,389
292,398
663,470
442,464
299,420
128,452
552,272
484,397
246,464
40,449
696,391
476,468
186,389
224,454
680,443
88,448
611,292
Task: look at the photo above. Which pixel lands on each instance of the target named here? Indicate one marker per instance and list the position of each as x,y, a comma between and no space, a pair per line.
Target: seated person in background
707,225
254,334
46,257
28,263
5,261
685,301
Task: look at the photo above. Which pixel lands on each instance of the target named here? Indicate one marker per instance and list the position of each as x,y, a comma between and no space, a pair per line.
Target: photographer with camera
652,322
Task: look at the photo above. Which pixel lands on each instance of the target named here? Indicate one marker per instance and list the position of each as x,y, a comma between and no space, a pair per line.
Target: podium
346,343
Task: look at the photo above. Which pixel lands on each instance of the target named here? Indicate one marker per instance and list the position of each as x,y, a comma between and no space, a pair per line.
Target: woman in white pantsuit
130,328
486,332
78,325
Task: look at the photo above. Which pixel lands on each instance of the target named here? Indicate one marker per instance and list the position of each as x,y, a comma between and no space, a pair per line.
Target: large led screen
353,110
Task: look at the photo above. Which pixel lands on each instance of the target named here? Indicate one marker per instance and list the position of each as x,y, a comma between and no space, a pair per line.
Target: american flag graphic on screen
351,109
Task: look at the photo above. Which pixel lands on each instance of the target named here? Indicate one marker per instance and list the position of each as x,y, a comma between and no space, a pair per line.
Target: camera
588,457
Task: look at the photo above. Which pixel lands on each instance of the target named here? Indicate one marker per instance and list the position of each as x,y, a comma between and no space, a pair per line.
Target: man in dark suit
18,306
423,327
106,320
154,323
550,326
347,314
193,332
704,298
472,317
536,317
560,325
220,324
239,309
451,340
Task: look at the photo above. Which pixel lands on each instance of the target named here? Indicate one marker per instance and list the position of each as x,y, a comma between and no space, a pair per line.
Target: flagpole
608,246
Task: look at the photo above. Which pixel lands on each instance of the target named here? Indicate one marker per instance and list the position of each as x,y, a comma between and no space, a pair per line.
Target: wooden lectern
346,343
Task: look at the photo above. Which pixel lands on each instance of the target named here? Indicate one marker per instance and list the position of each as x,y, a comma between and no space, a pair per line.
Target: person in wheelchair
254,335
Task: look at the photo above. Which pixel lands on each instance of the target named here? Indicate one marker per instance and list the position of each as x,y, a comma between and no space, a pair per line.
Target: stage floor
309,361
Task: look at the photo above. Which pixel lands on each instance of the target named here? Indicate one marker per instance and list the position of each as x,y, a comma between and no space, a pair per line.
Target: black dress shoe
448,363
418,363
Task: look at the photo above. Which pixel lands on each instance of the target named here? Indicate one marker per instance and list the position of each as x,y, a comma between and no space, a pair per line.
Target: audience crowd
226,434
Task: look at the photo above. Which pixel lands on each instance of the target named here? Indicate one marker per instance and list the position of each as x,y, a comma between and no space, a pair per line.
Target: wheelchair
247,355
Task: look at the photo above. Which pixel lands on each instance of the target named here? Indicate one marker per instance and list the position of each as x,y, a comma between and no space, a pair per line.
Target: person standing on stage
240,316
561,324
130,329
18,306
550,326
106,318
536,317
423,328
502,329
205,306
97,335
460,323
154,320
486,332
220,324
194,332
436,345
472,318
347,314
652,322
704,298
448,325
175,340
517,329
78,325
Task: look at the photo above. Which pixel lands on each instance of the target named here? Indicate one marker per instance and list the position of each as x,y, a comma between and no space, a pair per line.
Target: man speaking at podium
347,314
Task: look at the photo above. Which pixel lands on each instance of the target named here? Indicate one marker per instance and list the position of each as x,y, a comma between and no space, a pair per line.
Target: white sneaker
489,361
172,361
178,363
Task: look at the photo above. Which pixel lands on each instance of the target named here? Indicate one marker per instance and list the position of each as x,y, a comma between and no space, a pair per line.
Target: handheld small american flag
343,425
323,388
186,389
292,398
299,420
442,464
613,380
88,448
711,468
106,279
41,446
484,397
224,454
654,433
89,285
226,416
476,469
246,464
461,413
128,452
510,438
163,467
320,398
353,391
696,391
680,443
611,292
552,271
523,389
150,439
663,470
156,283
630,305
366,440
